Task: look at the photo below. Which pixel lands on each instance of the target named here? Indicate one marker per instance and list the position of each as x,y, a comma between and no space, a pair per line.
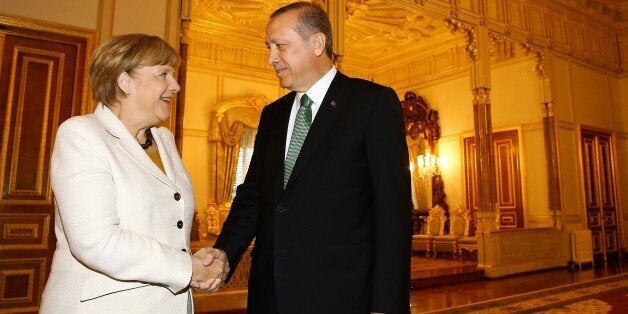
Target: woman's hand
209,269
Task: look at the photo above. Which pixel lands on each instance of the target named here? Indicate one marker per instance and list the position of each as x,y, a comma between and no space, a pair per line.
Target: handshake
209,269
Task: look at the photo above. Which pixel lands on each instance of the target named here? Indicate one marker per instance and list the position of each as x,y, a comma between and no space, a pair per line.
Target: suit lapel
129,145
283,117
164,154
325,117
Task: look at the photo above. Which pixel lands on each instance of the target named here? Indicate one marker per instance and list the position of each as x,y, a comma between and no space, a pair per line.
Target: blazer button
281,209
184,250
177,196
179,224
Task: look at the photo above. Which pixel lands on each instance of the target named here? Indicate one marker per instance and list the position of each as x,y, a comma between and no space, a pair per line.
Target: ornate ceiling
374,29
395,35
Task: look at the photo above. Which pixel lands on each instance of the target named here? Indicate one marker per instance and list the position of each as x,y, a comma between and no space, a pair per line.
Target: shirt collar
317,92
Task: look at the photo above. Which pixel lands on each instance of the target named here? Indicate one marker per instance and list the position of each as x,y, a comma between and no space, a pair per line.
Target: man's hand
209,269
212,254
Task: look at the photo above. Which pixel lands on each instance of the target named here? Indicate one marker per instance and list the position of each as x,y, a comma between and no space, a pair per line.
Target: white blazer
122,225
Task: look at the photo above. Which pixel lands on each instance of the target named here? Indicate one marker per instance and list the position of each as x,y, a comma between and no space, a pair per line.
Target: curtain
232,125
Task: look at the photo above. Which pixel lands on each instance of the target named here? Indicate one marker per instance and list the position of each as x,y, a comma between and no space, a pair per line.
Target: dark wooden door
507,174
41,85
599,188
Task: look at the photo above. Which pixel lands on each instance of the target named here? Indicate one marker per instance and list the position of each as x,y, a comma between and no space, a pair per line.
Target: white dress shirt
317,94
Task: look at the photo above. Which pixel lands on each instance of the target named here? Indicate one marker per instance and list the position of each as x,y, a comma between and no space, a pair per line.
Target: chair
459,221
435,226
468,244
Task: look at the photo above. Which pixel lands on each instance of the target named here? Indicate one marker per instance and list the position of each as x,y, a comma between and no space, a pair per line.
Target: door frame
617,193
34,260
521,158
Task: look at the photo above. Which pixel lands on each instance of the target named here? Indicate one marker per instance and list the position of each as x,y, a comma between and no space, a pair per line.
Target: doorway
598,169
41,85
507,173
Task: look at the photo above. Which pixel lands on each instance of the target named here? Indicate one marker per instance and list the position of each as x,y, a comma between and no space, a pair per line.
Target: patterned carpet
419,263
605,295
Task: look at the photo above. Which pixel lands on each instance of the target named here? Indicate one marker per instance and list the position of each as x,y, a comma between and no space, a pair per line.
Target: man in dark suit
327,193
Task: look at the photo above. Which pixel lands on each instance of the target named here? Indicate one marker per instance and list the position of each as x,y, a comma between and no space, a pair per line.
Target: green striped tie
299,132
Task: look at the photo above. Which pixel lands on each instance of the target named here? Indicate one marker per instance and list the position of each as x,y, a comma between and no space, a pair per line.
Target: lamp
427,165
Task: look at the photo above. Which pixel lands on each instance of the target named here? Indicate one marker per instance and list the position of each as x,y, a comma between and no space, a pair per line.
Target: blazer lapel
164,154
129,145
324,120
283,117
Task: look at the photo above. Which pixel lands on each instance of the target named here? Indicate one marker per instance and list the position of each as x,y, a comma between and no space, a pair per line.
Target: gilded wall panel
501,49
469,5
623,48
576,35
599,10
517,14
538,25
563,26
232,57
495,10
607,49
557,29
593,39
444,61
440,63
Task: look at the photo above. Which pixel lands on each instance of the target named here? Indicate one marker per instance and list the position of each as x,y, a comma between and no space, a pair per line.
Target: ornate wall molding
562,26
437,64
395,34
195,133
605,10
500,49
530,49
481,96
217,55
457,26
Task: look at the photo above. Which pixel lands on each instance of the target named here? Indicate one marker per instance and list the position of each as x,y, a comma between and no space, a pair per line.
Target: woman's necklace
149,139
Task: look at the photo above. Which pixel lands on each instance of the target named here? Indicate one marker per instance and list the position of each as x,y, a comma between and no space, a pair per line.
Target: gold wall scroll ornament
457,26
420,119
257,102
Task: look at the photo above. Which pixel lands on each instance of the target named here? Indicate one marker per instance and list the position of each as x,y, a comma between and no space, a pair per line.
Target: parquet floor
450,295
442,283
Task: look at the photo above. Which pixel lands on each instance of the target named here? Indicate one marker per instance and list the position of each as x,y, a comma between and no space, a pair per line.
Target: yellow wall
587,97
515,96
106,17
582,94
82,14
206,87
515,104
452,99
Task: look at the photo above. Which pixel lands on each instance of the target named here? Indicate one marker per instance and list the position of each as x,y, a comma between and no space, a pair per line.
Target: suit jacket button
179,224
281,209
177,196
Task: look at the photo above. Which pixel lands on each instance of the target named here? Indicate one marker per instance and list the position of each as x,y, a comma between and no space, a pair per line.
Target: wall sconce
427,165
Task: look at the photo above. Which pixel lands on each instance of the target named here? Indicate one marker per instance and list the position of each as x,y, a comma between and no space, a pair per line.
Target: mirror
422,134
